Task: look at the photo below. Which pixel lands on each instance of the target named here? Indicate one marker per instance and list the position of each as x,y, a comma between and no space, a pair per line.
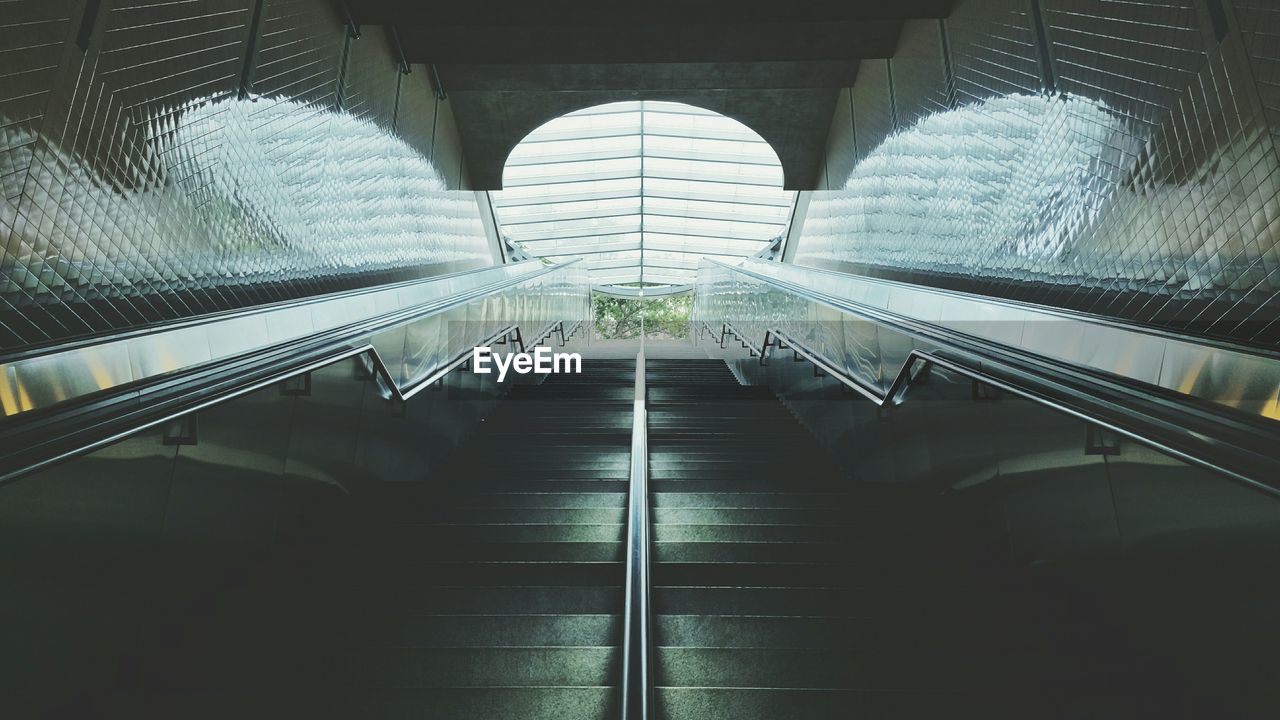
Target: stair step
534,550
841,503
736,552
743,600
756,631
757,574
533,472
491,600
834,517
781,478
702,703
480,667
406,571
457,485
489,516
489,703
742,483
538,500
775,667
504,533
785,535
562,629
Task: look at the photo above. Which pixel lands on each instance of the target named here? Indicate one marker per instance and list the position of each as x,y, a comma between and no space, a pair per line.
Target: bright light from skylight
641,191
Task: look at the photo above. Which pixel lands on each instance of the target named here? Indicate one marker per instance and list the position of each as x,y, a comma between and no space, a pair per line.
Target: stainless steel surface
1242,379
538,296
44,381
637,643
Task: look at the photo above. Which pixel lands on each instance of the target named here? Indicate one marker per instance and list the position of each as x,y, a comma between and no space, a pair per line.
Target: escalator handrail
38,439
1231,444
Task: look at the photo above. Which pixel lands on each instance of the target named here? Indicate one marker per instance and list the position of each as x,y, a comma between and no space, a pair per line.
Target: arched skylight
641,191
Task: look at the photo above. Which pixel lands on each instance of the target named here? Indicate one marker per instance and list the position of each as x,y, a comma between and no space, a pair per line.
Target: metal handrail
36,440
52,348
19,470
1235,446
402,394
637,642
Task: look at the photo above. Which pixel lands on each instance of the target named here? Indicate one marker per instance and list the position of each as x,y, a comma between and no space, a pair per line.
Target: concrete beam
674,43
628,13
649,76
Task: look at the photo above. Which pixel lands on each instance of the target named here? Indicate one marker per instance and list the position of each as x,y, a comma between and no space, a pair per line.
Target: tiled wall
154,169
1114,158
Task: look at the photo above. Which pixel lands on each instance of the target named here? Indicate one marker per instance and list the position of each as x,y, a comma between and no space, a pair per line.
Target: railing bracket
982,392
363,367
183,430
1099,441
296,386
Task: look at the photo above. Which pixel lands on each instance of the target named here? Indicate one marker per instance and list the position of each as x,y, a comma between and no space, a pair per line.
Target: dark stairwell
784,590
492,587
494,590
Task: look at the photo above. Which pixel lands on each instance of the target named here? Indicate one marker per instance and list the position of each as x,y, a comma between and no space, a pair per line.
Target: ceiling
508,66
641,191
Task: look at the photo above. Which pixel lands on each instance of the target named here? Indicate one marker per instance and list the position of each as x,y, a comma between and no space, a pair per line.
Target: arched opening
641,191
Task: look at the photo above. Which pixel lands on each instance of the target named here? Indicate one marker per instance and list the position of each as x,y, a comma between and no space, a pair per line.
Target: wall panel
842,150
993,49
872,106
919,79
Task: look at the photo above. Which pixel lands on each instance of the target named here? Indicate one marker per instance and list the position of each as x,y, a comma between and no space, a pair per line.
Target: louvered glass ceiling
641,191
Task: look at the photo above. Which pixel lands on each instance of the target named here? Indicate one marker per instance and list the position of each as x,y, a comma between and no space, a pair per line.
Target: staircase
756,590
497,589
780,589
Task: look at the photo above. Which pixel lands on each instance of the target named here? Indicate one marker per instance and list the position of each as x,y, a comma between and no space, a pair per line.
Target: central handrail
637,646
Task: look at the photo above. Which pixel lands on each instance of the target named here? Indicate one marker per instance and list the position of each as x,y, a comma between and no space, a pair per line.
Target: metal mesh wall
145,182
1111,158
